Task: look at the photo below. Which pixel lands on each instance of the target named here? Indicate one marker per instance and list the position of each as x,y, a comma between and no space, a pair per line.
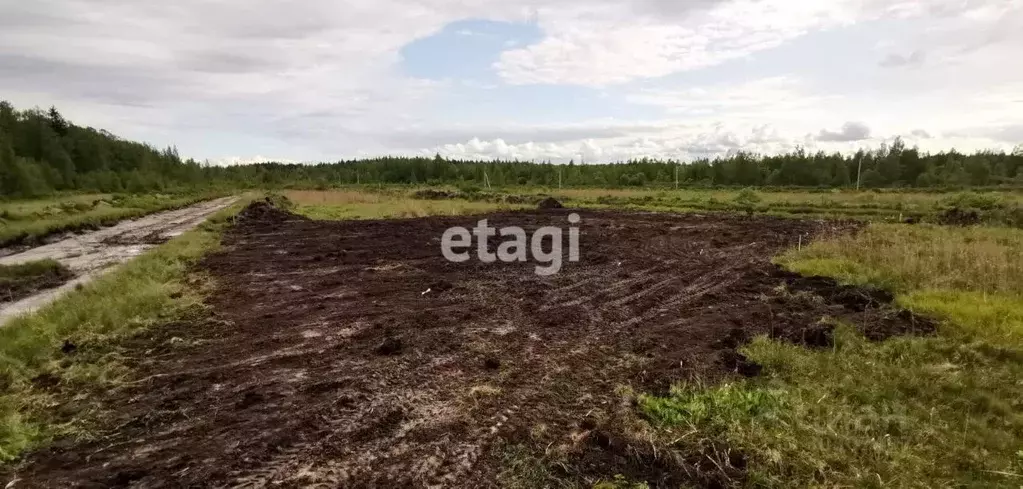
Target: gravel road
90,255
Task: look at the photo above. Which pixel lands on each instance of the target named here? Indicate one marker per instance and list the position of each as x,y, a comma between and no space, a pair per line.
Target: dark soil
153,238
434,194
13,289
550,203
326,363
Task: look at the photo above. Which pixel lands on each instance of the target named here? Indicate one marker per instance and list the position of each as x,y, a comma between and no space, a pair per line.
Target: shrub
747,201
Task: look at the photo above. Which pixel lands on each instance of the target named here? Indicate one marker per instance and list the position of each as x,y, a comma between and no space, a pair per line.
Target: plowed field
352,354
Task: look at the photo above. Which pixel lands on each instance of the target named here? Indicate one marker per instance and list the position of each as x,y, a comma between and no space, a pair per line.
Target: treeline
893,165
41,152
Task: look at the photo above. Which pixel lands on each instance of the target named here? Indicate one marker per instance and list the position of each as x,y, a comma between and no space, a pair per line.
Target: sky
236,81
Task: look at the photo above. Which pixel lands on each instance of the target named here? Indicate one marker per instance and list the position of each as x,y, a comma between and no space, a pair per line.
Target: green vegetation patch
938,411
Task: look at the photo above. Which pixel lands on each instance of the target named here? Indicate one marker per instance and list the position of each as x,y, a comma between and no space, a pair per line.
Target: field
879,206
335,346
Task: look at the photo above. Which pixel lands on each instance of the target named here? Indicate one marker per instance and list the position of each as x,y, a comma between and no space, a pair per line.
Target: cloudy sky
592,80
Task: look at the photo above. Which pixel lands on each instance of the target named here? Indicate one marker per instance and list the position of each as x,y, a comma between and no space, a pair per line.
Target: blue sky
600,80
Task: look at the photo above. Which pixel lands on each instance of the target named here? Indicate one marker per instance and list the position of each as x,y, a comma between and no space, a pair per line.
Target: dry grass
901,257
335,197
354,204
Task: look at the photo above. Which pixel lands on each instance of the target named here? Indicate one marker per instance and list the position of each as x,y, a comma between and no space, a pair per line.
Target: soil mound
550,203
265,211
433,194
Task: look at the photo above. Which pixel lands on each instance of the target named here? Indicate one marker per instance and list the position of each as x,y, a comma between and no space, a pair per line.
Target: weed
715,408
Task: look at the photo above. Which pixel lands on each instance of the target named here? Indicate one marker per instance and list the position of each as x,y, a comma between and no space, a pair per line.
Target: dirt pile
266,212
329,364
434,194
550,203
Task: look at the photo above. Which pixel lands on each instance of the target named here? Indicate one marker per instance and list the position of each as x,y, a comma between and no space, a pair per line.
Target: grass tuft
716,408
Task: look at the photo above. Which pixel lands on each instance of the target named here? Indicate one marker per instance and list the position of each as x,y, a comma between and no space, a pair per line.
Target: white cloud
850,131
605,50
240,160
776,97
674,139
916,58
321,80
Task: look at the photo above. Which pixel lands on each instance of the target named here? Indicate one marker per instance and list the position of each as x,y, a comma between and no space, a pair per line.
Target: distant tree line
41,152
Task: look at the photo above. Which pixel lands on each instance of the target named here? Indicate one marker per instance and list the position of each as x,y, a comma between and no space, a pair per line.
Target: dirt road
352,354
88,255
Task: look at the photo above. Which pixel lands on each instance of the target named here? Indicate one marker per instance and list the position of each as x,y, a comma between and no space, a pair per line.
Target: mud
351,354
89,255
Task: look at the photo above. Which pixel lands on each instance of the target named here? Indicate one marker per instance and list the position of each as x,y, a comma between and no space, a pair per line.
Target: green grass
941,411
21,271
146,291
27,222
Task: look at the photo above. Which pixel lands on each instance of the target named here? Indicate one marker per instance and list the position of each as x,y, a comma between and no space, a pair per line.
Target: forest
41,153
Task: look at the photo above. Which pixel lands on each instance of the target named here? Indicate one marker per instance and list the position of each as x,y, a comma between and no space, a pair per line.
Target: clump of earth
550,203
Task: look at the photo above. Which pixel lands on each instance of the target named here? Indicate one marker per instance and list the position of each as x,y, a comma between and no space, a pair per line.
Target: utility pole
559,178
676,176
859,169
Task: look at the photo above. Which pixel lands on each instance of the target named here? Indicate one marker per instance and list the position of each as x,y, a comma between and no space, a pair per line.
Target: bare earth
89,255
351,354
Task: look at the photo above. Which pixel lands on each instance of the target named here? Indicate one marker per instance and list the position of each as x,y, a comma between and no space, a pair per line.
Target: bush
747,200
971,201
